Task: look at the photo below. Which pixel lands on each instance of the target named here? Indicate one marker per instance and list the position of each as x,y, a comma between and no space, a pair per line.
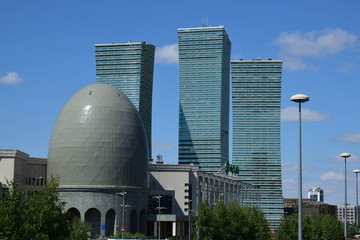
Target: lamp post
356,171
189,213
300,98
123,193
345,156
158,197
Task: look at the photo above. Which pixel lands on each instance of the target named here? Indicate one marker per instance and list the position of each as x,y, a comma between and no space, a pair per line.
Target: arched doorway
110,222
133,221
142,222
74,213
93,217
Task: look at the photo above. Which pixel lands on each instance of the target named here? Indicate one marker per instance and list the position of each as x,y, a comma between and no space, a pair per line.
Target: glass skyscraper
204,66
256,103
129,67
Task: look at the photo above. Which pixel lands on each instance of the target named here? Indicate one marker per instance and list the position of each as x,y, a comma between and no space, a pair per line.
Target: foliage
10,213
288,228
43,214
317,227
127,235
37,214
231,222
353,230
79,229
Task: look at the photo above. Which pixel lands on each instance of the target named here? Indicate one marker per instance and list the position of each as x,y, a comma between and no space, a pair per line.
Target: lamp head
356,171
299,98
345,155
123,193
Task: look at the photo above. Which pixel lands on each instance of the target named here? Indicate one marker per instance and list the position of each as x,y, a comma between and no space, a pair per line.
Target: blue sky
47,54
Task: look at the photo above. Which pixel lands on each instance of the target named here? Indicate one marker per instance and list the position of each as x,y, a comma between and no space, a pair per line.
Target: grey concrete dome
99,141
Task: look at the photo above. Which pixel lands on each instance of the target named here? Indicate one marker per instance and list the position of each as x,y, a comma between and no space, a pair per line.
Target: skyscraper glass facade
129,67
256,103
204,67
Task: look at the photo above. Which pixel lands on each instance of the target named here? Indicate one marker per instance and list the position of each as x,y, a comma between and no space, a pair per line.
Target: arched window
93,217
74,212
110,222
133,221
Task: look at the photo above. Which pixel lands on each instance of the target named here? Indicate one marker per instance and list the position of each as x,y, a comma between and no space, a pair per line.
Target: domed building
98,148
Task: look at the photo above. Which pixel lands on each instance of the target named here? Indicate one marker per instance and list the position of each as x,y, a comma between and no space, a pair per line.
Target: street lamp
345,156
189,213
158,197
123,193
300,98
356,171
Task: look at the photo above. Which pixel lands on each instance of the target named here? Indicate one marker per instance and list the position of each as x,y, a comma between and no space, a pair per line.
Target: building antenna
205,23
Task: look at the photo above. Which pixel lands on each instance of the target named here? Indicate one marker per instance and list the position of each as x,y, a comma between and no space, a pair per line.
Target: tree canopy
231,222
38,214
317,227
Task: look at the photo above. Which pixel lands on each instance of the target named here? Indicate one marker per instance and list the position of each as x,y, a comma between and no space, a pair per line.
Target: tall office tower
256,102
129,67
204,59
316,194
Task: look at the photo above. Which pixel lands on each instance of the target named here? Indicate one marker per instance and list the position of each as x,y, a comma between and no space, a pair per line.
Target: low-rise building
351,213
181,187
172,194
310,207
28,172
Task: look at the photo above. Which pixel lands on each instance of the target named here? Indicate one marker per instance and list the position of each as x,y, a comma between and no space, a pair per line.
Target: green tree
78,230
43,216
127,235
231,222
259,224
11,206
353,230
317,227
239,221
38,215
331,228
222,220
205,221
288,228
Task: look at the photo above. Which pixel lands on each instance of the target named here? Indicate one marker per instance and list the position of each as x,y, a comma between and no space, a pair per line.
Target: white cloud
289,168
296,45
158,146
347,67
291,114
348,138
168,54
293,63
332,176
11,78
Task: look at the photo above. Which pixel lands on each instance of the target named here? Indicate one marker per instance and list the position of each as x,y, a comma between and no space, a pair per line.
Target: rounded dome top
99,140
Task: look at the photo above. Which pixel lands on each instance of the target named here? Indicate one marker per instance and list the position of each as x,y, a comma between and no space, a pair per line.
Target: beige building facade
28,172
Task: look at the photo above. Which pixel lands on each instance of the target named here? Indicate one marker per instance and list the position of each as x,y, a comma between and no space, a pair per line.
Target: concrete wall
103,209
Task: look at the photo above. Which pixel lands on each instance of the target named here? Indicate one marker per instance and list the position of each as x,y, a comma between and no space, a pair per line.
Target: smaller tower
159,159
316,193
130,68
